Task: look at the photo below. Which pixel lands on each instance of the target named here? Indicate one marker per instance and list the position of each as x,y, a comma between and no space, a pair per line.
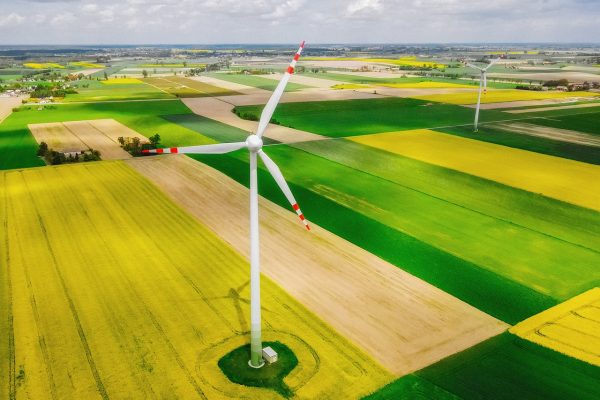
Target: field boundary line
80,331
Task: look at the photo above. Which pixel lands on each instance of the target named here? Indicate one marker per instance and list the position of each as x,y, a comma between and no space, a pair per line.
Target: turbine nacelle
254,143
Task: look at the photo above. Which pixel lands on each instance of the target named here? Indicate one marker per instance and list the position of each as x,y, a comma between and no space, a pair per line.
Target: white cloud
12,19
364,8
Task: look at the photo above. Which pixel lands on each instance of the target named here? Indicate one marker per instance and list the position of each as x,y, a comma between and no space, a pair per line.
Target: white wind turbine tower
482,87
254,145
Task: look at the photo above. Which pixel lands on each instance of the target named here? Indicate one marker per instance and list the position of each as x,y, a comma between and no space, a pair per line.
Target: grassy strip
584,122
481,288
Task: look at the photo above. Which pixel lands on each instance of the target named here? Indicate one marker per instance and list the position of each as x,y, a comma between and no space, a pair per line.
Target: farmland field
569,328
440,233
403,61
184,87
114,89
18,147
257,81
502,368
371,116
500,96
97,316
565,180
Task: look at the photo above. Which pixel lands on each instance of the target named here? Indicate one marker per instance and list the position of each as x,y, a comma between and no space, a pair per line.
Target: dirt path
403,322
7,104
563,135
528,110
221,111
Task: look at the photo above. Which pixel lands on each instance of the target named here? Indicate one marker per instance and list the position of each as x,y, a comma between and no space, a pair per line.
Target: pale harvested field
77,136
57,137
528,103
305,80
97,140
549,76
236,87
563,135
373,74
221,111
87,72
355,65
541,109
567,180
401,321
114,129
315,94
7,104
571,328
408,92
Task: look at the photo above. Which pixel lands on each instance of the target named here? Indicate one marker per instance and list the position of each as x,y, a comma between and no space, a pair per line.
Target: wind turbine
254,145
482,86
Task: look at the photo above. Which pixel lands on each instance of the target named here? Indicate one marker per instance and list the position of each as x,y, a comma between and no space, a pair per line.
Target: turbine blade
269,109
474,66
278,176
491,64
219,148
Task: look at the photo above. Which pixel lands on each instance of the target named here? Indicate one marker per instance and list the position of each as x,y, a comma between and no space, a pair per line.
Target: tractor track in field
80,331
38,324
12,388
149,313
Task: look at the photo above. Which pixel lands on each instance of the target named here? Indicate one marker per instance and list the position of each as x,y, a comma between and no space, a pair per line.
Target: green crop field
97,91
216,130
133,302
584,121
502,368
257,81
359,117
18,147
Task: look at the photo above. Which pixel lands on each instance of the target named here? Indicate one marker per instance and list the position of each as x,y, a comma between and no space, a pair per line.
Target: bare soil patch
563,135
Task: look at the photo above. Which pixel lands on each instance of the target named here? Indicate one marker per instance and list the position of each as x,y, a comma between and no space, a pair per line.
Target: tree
105,76
145,73
121,140
155,140
43,149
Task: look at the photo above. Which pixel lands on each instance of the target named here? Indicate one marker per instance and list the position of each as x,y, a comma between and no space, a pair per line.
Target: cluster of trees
43,91
53,157
134,146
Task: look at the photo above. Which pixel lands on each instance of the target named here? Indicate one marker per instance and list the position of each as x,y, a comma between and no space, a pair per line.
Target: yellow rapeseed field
42,65
110,290
425,85
85,64
567,180
404,61
501,96
122,81
570,328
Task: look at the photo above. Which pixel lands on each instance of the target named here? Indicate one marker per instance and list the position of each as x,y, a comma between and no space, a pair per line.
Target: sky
290,21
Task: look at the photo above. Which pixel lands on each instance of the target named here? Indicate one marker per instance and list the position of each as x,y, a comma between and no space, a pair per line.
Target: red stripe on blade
290,70
302,44
301,217
145,151
174,150
295,206
159,151
296,57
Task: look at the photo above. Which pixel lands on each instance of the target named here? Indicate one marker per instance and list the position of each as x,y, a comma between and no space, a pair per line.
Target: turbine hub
254,143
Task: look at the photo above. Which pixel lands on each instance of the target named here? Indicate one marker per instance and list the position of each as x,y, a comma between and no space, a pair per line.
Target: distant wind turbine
254,145
482,87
